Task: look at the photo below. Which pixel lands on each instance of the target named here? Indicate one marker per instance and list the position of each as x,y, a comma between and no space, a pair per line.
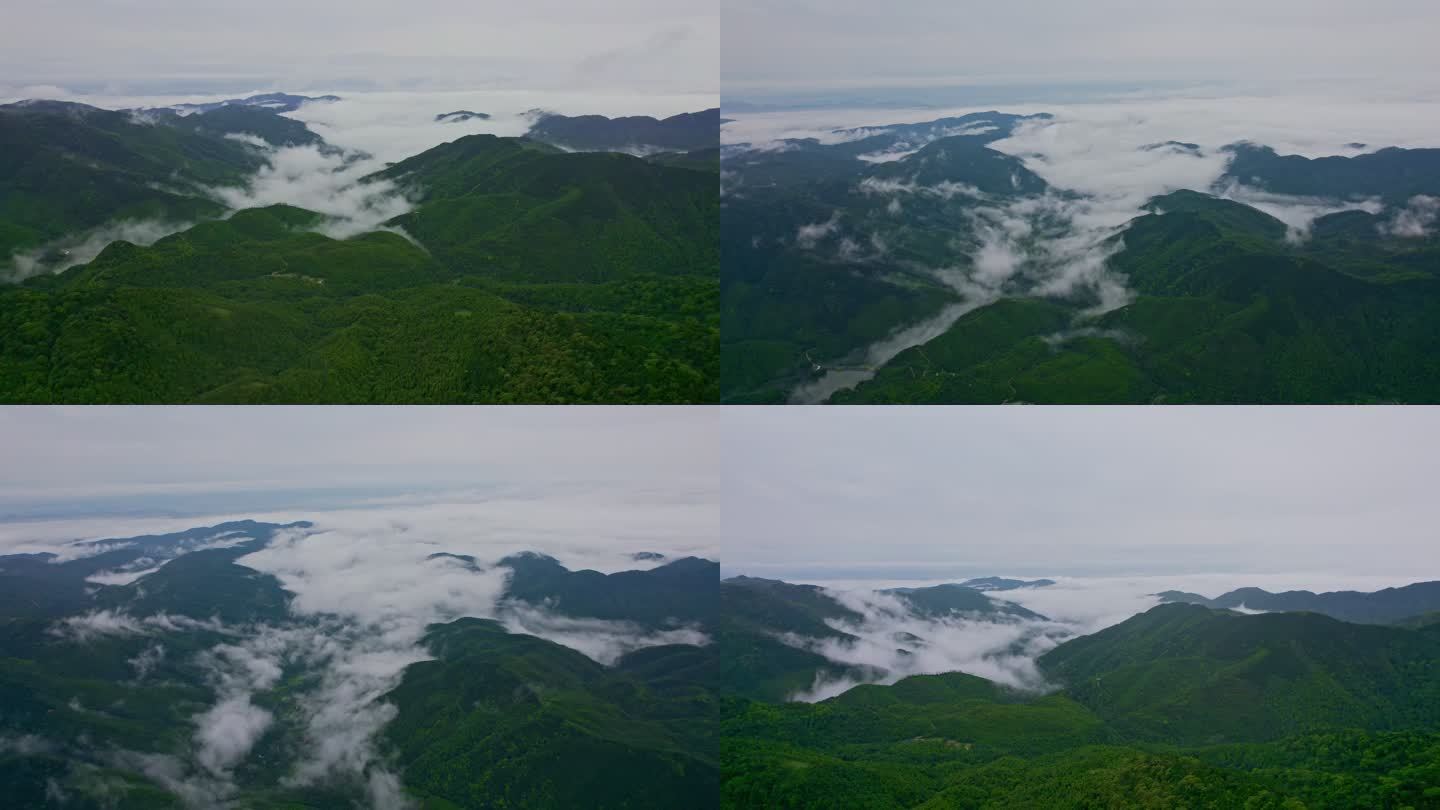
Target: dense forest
523,273
1182,706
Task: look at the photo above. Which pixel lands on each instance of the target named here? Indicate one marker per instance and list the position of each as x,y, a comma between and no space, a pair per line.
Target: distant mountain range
459,116
1389,606
1004,584
275,102
640,134
875,266
105,686
521,273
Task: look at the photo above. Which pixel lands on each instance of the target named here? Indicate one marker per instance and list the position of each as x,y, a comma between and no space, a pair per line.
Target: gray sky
158,46
82,456
775,45
930,493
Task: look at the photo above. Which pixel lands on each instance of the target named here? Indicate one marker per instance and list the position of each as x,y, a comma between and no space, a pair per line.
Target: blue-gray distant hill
1388,606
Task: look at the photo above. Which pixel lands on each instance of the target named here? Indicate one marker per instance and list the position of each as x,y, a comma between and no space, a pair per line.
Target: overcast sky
931,493
160,46
772,45
76,455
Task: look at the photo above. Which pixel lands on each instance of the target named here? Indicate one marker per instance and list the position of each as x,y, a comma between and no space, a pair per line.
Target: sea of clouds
366,587
1095,158
1004,649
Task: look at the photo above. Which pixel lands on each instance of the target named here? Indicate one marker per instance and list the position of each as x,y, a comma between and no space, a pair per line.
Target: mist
893,642
365,132
1112,153
589,487
66,252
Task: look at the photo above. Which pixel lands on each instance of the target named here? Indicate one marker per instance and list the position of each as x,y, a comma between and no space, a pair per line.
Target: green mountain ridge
255,309
1388,606
1224,304
99,693
523,274
1181,706
487,722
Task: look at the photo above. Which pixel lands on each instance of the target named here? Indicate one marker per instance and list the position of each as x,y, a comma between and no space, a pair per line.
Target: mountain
1224,298
458,116
768,628
918,264
67,167
771,605
510,720
1392,174
274,102
46,585
755,617
637,133
960,160
1004,584
845,153
954,741
707,160
517,211
826,243
683,591
196,684
1190,674
1388,606
945,600
523,275
1179,707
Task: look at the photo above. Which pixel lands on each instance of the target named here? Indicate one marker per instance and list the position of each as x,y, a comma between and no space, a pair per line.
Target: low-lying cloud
72,251
603,640
1105,161
383,127
892,642
89,626
323,181
1416,220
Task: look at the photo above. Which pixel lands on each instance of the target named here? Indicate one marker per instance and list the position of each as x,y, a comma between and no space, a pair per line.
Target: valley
228,253
951,262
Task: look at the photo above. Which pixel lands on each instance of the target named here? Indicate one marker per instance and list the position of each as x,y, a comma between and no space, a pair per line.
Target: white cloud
808,236
387,126
89,626
1297,212
25,744
601,639
326,183
70,251
146,661
1416,220
227,731
892,642
1099,159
